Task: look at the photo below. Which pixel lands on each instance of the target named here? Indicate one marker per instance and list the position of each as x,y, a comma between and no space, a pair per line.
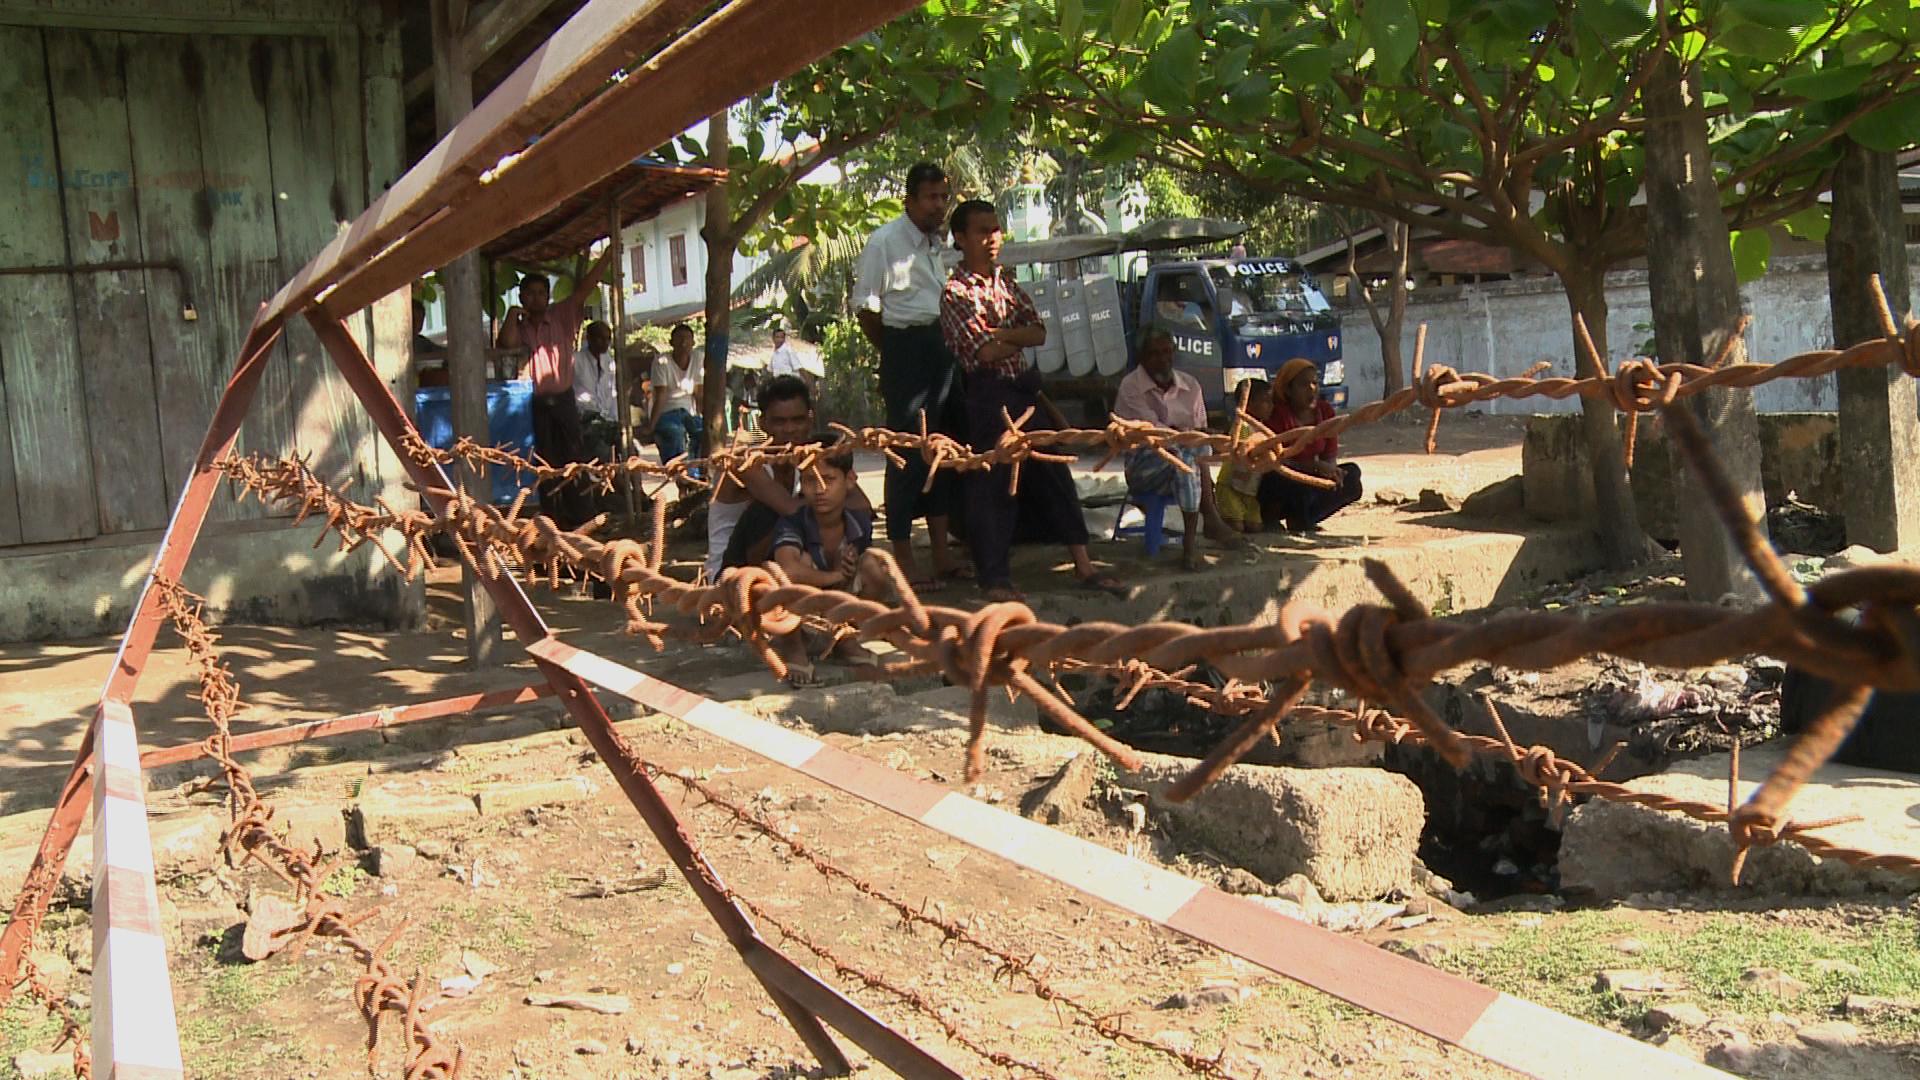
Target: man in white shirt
595,390
786,360
673,421
897,303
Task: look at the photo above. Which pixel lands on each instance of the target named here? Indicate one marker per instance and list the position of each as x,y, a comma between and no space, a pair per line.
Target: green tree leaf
1810,224
1826,84
1613,20
1393,32
1781,13
1307,65
1752,251
1126,20
923,87
1071,16
1891,127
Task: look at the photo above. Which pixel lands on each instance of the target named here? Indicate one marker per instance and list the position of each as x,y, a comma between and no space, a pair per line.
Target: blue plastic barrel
509,424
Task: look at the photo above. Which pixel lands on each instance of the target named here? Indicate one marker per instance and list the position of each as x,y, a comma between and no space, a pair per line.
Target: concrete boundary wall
1506,327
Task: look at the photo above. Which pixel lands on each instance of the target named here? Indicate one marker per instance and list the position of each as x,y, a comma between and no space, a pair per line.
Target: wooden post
1879,432
466,350
720,245
1696,309
617,322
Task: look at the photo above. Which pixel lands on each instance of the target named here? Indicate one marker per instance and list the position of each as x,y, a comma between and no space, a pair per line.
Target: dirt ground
573,898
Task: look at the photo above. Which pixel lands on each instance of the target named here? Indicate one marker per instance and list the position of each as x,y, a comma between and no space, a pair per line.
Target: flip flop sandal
1105,583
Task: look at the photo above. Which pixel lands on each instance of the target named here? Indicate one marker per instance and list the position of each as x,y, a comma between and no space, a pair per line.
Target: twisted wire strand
380,991
1638,385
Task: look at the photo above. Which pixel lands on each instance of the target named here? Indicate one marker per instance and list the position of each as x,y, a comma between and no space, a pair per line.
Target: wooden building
167,164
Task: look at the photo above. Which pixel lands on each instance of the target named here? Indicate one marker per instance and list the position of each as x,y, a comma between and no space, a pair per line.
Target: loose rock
1773,981
1064,797
394,860
1210,994
1870,1006
604,1004
590,1046
268,926
1830,1035
1637,982
1429,953
1678,1014
1735,1053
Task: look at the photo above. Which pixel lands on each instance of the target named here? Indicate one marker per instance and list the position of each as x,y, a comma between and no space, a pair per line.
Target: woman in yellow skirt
1237,487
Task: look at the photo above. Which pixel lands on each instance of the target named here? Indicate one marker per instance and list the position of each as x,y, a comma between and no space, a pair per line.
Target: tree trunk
466,339
1399,236
1387,328
1879,434
721,244
1696,312
1622,543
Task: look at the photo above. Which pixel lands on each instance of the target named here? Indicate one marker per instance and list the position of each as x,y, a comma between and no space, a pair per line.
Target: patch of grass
1319,1012
1133,1063
243,988
511,926
1554,963
230,1037
344,881
25,1025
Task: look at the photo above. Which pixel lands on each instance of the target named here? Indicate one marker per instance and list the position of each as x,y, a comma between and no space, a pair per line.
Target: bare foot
1190,558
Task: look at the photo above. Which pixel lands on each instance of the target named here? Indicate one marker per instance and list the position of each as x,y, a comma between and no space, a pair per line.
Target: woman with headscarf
1288,503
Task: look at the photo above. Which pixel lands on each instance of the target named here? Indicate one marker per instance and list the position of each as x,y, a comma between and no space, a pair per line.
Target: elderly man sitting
1154,392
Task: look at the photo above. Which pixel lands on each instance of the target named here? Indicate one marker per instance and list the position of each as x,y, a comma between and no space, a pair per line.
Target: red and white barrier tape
1513,1032
134,1034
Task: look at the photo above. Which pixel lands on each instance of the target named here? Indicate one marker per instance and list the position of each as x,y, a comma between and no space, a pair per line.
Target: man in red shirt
989,321
549,332
1297,403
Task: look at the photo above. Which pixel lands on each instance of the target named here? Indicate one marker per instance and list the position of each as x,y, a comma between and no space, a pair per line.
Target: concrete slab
1612,850
1448,562
399,815
1352,832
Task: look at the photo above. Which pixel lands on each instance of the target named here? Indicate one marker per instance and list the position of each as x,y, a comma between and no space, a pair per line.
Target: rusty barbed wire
1380,653
913,999
1556,780
379,990
1011,966
1637,386
56,1007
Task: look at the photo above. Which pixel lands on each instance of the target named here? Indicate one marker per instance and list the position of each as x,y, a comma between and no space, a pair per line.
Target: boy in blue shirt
825,545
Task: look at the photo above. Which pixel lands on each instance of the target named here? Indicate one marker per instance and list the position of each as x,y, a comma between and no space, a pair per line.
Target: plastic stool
1152,529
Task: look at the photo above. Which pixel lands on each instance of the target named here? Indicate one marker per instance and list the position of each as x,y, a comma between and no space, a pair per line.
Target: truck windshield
1264,290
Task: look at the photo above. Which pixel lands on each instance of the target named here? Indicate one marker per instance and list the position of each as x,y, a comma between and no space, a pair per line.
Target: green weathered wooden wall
103,224
236,155
39,351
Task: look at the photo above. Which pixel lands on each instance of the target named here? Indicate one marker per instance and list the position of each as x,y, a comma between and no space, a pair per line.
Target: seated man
744,511
1157,394
1290,503
673,422
824,544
